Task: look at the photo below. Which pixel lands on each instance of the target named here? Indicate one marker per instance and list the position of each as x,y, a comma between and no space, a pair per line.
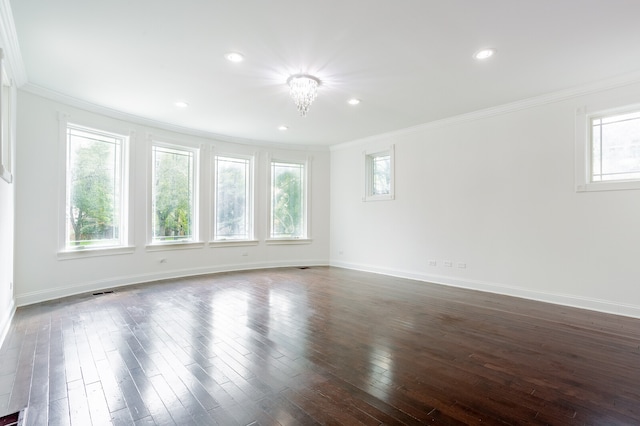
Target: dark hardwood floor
316,346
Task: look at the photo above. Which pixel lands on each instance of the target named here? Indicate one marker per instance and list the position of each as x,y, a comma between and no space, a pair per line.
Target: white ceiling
409,61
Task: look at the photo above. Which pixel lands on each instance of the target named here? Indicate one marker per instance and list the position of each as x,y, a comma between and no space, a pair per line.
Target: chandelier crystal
303,89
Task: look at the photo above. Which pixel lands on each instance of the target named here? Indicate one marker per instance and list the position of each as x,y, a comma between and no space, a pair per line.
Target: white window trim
583,149
233,243
174,245
368,176
306,237
285,241
197,150
252,199
98,251
126,214
7,144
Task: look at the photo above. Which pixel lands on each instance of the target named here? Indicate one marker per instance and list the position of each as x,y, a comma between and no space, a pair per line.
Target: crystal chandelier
303,89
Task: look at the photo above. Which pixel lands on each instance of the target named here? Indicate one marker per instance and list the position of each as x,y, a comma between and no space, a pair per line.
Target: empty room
300,213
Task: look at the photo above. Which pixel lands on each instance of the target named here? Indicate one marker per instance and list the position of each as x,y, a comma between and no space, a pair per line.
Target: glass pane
596,151
381,174
94,185
287,200
5,116
232,197
172,194
621,117
619,148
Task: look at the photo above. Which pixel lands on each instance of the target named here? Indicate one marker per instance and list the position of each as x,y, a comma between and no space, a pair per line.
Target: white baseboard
555,298
5,321
56,293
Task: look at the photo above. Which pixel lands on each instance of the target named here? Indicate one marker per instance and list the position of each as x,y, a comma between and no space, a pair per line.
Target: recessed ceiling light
181,104
484,54
353,101
234,57
283,128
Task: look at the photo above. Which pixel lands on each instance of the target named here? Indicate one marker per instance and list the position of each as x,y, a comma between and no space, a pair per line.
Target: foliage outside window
233,211
615,147
288,200
173,194
95,188
379,175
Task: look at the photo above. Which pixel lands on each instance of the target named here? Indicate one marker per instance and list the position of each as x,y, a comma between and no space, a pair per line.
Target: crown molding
9,40
561,95
147,122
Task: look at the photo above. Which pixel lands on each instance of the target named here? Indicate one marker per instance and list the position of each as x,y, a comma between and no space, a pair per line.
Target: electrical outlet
433,263
448,264
462,265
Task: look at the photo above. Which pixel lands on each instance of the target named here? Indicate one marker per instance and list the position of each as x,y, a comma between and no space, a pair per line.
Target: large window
95,188
173,192
233,218
615,147
288,200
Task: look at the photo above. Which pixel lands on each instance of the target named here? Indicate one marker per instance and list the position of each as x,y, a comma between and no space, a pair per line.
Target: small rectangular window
288,200
381,174
615,147
378,168
232,197
95,185
173,193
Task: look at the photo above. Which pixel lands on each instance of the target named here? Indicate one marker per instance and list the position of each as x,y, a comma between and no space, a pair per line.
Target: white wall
497,193
41,275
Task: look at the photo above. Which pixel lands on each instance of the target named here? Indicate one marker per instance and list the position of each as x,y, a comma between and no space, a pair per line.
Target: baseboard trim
598,305
123,281
5,321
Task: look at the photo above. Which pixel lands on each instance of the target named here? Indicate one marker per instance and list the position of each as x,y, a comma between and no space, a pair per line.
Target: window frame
368,157
196,241
584,149
7,122
126,226
251,203
305,238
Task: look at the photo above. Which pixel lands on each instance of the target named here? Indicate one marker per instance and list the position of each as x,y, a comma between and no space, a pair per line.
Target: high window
615,147
96,183
607,147
233,218
378,168
288,207
173,193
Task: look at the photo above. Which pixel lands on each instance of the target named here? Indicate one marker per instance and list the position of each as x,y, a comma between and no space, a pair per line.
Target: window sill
377,198
174,246
608,186
284,241
94,252
233,243
5,175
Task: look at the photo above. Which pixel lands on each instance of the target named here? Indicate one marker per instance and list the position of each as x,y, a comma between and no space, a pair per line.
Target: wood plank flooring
316,346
